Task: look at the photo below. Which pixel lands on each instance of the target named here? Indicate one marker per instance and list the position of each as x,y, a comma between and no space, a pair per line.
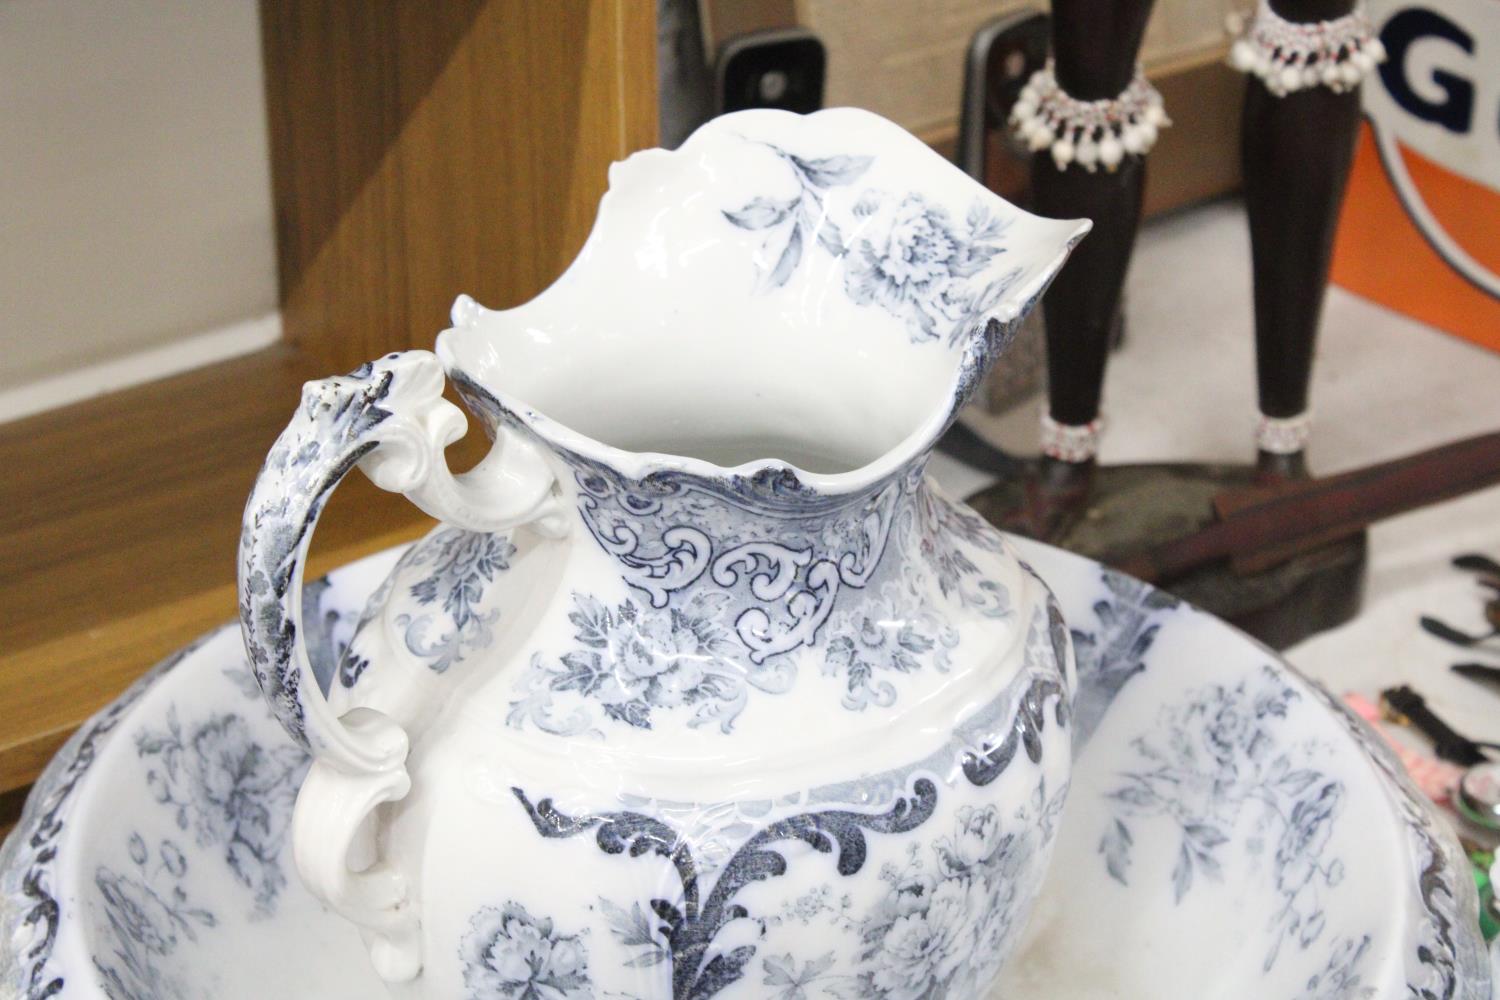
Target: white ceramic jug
701,690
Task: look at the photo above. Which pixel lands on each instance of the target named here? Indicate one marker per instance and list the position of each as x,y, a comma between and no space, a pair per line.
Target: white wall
135,202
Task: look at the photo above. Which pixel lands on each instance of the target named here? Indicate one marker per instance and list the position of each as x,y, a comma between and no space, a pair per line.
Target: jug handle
389,418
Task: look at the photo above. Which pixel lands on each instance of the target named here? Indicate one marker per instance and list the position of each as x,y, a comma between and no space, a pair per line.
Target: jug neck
773,552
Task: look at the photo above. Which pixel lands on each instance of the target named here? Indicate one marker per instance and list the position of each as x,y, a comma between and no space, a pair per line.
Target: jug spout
741,377
821,293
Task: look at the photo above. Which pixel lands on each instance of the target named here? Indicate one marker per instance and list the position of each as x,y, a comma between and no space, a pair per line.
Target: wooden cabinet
419,150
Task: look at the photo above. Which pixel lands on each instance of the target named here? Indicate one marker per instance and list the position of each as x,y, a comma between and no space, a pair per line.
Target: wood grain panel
117,545
453,147
419,150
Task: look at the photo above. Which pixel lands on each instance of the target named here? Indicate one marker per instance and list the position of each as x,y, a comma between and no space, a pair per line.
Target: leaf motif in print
983,224
781,973
633,930
1138,795
1115,846
1205,836
632,713
832,171
591,621
1182,873
780,970
762,213
791,256
831,238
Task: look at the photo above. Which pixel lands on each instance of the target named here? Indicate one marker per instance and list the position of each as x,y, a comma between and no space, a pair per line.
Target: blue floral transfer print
508,954
230,791
947,919
899,252
772,565
883,635
682,932
447,622
634,662
960,892
943,530
790,223
792,981
1215,760
1128,616
684,654
149,914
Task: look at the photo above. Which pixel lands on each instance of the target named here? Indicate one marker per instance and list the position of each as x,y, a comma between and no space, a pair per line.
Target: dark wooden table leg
1095,46
1296,151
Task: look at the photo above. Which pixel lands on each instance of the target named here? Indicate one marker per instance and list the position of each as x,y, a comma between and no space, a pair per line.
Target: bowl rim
40,839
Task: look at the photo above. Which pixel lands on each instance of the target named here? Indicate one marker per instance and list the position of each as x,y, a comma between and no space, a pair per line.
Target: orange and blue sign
1420,230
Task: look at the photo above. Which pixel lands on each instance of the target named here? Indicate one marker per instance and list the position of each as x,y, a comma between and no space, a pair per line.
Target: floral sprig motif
1341,978
229,790
914,262
1217,759
635,661
802,216
463,564
947,920
1128,615
148,914
508,954
783,974
882,636
941,532
944,931
899,252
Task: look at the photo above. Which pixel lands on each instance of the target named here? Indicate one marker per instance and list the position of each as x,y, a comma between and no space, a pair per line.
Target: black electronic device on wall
1003,54
777,68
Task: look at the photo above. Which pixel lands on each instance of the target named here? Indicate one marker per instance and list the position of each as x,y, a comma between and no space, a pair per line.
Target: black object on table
1448,744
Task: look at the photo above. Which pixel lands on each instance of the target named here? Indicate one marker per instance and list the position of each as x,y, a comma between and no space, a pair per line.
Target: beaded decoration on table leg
1092,134
1283,435
1289,56
1071,442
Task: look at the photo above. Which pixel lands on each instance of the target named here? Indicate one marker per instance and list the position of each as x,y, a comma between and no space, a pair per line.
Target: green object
1489,926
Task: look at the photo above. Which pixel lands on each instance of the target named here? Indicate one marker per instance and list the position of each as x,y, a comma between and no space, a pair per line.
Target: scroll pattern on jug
786,555
635,660
686,928
959,891
673,531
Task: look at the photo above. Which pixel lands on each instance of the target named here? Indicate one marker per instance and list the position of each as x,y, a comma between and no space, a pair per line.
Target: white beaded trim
1290,56
1071,442
1283,435
1089,133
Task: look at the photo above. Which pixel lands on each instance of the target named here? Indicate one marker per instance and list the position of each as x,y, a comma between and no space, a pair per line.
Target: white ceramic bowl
1231,832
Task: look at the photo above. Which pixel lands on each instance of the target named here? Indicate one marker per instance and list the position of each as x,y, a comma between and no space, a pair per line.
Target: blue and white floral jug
701,690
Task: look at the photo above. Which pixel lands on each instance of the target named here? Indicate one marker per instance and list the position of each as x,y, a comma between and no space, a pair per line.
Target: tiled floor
1183,388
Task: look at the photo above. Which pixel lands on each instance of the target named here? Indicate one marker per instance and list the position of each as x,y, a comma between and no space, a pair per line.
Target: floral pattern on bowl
161,906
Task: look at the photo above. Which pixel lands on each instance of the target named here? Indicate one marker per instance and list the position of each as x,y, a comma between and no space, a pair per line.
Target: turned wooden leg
1095,45
1296,151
